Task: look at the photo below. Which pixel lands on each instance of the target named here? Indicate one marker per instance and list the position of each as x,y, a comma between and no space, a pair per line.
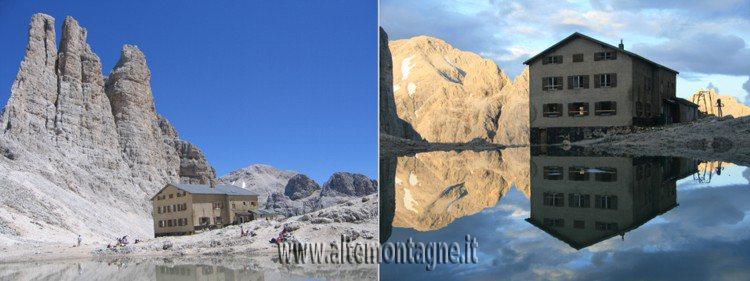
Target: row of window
604,80
244,203
580,109
580,173
171,195
578,200
207,220
598,56
581,224
171,208
173,222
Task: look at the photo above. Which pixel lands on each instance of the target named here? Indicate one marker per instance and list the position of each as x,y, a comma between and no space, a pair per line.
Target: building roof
682,101
263,212
579,35
219,189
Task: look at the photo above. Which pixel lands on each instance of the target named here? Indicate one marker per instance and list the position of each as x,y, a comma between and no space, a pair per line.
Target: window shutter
614,55
571,79
560,80
545,83
559,59
570,200
598,201
585,81
598,56
598,106
597,80
586,201
613,76
614,202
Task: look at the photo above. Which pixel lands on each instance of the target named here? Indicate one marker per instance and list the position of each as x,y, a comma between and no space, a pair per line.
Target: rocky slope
724,139
290,193
302,195
261,179
448,95
435,188
83,154
731,105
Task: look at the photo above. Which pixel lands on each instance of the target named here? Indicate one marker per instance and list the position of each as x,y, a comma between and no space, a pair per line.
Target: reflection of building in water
583,200
204,273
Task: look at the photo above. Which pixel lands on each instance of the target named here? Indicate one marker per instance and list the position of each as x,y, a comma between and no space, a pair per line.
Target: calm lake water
582,217
173,269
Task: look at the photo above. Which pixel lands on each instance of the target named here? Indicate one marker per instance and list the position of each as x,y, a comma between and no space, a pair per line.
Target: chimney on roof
622,46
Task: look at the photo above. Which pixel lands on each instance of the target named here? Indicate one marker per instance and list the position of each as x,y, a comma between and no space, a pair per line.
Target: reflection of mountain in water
435,188
583,200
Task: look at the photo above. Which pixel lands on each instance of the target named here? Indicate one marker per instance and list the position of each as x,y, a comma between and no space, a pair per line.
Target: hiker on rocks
242,231
79,240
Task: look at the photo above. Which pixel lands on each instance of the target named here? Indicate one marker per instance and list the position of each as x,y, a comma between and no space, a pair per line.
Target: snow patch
406,67
396,87
411,88
413,179
409,201
398,180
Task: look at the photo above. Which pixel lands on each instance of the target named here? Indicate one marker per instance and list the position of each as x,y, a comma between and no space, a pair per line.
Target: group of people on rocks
244,233
121,242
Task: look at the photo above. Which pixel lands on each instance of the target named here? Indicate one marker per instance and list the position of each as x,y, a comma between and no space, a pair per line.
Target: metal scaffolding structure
707,98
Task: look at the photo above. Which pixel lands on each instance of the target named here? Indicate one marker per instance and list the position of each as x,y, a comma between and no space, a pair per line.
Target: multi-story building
180,209
580,87
583,200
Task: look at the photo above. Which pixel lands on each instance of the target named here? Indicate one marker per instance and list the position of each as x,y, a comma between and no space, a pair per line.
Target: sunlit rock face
730,105
433,189
82,154
448,95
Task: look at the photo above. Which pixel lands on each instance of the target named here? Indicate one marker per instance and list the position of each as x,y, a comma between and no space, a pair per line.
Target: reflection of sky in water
704,238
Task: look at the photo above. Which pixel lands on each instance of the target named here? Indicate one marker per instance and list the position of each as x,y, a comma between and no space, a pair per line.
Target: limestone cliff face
731,106
84,156
435,188
448,95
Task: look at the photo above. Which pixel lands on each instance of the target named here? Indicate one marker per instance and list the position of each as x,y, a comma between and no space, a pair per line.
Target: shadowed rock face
348,184
300,186
84,156
390,123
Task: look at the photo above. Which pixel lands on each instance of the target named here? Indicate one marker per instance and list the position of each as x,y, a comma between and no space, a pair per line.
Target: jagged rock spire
30,109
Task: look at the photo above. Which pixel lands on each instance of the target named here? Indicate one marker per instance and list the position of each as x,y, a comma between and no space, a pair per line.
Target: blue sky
706,41
292,84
